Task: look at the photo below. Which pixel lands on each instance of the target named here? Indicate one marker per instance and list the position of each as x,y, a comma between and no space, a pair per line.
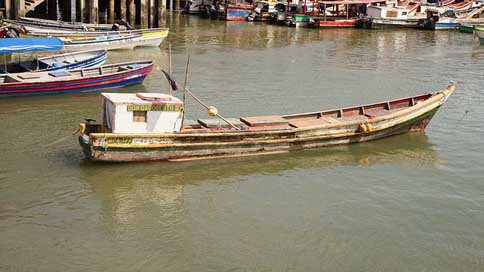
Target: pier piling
146,13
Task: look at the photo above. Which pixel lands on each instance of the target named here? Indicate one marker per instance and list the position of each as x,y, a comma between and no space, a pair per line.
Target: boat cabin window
404,13
139,116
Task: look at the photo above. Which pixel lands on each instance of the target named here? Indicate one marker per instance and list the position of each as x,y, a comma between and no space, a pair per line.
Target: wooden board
269,120
299,123
218,123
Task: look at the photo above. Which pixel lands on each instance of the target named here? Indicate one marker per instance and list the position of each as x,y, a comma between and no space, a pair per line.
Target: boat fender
212,111
365,127
369,127
82,128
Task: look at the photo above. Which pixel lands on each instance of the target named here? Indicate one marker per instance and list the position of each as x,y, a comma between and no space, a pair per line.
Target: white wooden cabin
388,12
141,112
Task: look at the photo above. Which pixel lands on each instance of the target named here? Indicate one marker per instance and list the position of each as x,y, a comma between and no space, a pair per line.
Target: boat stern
85,129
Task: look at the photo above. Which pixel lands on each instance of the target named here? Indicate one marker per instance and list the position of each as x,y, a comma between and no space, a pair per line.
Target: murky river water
413,202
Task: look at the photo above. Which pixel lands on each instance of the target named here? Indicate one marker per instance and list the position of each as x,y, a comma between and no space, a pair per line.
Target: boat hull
110,147
236,14
338,23
148,37
389,23
77,85
466,28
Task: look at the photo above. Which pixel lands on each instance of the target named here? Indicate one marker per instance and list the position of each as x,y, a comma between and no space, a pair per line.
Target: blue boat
67,61
439,21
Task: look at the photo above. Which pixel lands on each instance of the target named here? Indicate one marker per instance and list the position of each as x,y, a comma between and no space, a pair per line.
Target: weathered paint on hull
338,23
237,14
446,26
216,148
389,23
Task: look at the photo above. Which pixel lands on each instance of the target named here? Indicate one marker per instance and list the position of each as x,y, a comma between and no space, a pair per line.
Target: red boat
340,13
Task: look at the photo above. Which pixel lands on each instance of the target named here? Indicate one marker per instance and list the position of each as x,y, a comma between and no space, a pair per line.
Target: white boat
439,21
389,16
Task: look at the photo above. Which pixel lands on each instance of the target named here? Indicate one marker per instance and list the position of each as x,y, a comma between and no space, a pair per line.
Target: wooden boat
67,61
237,12
62,81
340,14
466,28
474,17
144,127
195,6
263,11
388,16
480,33
149,37
299,20
113,42
43,24
439,21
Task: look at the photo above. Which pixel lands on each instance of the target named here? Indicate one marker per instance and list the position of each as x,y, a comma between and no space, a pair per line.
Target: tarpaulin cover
18,45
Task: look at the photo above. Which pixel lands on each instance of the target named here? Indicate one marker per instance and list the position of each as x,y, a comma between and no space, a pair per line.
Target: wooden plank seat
311,122
377,113
28,76
59,73
218,123
268,120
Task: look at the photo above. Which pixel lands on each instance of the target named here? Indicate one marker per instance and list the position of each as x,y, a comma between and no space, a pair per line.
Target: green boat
467,28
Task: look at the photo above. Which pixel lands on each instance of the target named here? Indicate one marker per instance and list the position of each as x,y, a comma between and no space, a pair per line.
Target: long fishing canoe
113,42
103,77
36,23
67,61
148,127
149,37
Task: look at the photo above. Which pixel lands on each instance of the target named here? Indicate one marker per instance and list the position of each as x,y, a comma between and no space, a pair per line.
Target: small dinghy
149,126
62,81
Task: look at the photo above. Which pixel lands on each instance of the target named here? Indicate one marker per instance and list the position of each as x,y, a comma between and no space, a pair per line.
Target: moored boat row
77,38
360,13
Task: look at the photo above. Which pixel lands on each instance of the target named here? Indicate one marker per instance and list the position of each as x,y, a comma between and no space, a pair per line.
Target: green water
412,202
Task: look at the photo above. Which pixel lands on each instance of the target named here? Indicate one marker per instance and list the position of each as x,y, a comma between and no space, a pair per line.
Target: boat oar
212,111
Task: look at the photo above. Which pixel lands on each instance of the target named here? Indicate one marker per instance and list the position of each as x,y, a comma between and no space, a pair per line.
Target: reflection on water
126,190
406,150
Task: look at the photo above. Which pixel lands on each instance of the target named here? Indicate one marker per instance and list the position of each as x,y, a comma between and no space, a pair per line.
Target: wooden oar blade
172,81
